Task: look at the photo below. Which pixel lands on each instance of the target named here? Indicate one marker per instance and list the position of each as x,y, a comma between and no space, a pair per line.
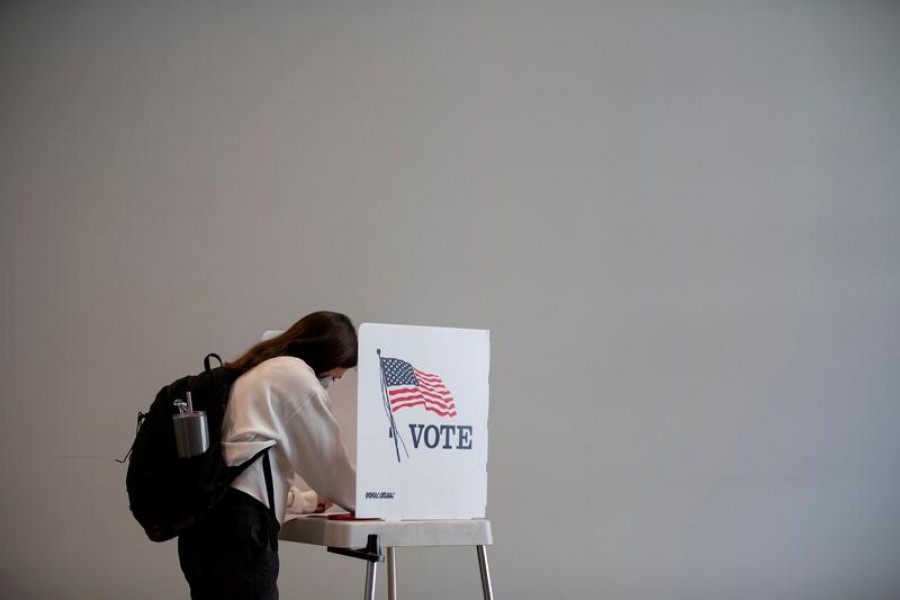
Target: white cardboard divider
422,422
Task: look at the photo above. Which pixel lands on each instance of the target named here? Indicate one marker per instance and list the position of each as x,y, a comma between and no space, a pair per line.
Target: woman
278,402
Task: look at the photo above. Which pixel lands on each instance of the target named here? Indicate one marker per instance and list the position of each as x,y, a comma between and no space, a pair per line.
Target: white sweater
280,404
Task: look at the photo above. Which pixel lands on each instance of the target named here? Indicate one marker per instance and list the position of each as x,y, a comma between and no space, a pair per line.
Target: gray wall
679,220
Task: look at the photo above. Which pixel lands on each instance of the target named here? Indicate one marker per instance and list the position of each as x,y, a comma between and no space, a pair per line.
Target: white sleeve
322,459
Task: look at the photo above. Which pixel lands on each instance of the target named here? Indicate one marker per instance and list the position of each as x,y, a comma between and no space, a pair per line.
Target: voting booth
421,450
422,422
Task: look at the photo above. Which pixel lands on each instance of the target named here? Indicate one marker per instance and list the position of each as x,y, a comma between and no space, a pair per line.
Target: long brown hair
324,340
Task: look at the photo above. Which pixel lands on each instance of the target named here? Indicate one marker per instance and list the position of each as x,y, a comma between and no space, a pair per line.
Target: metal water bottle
191,429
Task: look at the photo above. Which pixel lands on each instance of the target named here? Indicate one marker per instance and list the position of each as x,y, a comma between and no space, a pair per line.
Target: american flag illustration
408,386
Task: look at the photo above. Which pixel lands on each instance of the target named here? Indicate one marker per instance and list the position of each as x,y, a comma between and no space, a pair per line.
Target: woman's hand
323,504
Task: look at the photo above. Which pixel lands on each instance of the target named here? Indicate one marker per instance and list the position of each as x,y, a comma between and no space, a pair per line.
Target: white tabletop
321,531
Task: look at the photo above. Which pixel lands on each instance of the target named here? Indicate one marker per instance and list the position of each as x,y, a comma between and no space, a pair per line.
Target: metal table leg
372,555
370,580
485,574
391,574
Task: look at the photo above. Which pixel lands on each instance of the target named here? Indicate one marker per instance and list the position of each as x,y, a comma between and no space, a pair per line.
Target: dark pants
232,554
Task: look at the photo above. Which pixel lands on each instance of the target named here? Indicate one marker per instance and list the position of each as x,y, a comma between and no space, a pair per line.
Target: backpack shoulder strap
267,468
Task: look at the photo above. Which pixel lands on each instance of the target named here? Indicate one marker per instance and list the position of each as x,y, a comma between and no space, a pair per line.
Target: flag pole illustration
385,399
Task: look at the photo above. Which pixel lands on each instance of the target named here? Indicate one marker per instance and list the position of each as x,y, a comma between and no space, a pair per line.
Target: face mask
325,381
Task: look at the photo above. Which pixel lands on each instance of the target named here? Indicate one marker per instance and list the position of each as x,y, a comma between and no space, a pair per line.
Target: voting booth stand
422,439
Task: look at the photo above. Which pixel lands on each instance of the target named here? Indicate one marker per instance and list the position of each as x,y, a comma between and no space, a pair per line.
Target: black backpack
167,494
